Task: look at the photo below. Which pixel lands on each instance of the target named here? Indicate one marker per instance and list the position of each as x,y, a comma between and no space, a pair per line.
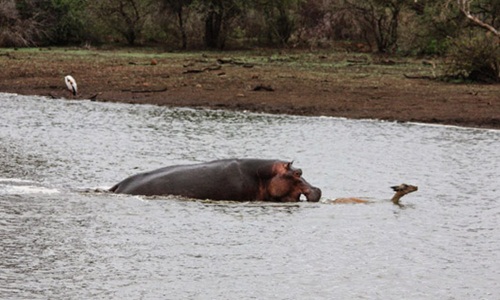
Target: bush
476,57
434,28
16,30
68,21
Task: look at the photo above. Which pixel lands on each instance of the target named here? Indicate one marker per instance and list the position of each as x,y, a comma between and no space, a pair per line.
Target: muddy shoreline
339,85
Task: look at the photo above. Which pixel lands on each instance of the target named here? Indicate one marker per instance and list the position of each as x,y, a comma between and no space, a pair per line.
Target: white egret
71,84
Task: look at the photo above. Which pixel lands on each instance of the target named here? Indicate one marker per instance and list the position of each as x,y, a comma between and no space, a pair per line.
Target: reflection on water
59,242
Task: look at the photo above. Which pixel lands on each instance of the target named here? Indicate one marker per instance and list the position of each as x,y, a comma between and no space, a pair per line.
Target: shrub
68,21
475,56
17,30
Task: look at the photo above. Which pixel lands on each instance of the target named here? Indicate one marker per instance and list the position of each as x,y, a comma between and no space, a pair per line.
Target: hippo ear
288,166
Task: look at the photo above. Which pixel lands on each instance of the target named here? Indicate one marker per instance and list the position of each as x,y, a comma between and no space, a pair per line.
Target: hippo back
218,180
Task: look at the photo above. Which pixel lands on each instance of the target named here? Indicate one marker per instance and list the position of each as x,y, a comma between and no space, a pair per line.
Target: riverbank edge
352,86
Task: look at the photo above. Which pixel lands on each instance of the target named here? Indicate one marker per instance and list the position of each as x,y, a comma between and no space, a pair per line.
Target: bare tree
219,15
465,8
477,56
281,18
127,17
381,20
178,7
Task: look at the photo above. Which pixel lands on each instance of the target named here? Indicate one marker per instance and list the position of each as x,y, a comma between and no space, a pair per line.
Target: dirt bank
303,83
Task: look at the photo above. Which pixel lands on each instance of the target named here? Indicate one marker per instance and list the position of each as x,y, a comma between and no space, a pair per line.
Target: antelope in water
400,190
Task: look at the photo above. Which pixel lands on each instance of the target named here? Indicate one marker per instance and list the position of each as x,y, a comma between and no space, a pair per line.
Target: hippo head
287,184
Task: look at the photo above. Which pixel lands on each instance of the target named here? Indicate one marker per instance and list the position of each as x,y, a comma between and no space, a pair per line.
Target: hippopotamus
228,179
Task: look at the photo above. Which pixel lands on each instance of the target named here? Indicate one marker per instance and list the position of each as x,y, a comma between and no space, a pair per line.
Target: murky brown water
59,242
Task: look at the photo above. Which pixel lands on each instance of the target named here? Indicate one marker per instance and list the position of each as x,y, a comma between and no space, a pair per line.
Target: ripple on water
70,244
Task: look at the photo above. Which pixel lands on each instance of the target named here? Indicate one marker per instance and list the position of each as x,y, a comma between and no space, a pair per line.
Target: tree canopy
415,27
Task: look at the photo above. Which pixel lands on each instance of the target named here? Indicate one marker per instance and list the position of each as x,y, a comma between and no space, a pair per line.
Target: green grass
321,63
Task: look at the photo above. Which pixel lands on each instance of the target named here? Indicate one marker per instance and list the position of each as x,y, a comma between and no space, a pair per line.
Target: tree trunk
213,26
182,29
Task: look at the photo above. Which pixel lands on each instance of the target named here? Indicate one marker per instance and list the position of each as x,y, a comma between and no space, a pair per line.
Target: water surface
57,241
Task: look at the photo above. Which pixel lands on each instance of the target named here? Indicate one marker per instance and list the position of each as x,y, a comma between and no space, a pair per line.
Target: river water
59,241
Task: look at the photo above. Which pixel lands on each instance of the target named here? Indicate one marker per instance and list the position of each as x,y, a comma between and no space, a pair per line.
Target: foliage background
391,27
